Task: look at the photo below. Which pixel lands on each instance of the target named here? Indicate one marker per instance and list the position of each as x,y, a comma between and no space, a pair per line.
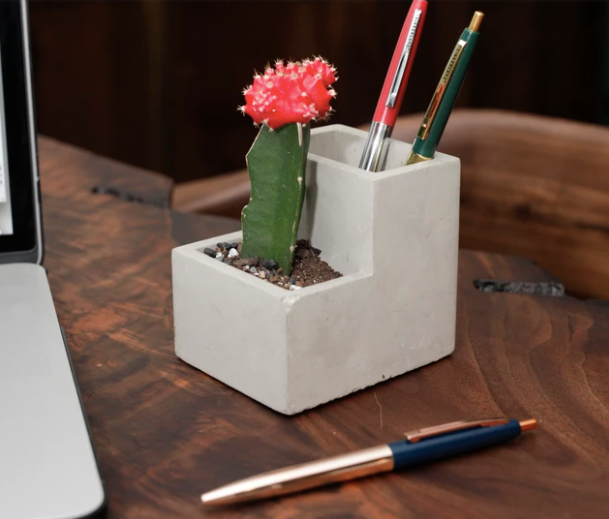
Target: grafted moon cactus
283,100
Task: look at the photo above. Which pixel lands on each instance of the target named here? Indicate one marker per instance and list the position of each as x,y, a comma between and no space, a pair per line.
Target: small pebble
232,253
295,287
223,245
317,252
233,245
270,264
210,252
262,275
253,270
219,256
243,262
229,262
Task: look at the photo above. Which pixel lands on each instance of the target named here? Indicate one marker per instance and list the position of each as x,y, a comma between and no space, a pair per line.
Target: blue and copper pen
420,446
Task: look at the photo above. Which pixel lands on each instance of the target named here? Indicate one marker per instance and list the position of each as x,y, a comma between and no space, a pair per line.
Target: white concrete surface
394,236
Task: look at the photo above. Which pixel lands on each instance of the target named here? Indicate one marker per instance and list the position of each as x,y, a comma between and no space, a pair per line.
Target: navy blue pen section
406,454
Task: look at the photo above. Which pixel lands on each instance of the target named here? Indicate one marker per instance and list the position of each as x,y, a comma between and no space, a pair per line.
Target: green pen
443,100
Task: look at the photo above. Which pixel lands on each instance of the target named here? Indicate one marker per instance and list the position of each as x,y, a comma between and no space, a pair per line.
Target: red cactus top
291,93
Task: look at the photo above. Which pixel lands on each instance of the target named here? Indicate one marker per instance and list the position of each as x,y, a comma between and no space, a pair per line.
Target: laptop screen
6,217
20,237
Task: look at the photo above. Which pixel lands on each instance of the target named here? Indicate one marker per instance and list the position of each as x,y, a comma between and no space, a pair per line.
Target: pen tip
208,499
474,25
219,496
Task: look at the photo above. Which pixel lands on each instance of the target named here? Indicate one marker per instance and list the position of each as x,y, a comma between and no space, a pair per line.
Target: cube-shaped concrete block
394,236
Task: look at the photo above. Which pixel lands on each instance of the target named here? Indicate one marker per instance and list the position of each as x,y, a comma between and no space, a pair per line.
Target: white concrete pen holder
394,236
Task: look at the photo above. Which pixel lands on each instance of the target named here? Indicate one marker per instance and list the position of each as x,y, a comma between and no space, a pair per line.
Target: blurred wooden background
156,83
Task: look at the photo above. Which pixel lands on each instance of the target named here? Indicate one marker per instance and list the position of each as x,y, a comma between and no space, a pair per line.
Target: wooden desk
165,432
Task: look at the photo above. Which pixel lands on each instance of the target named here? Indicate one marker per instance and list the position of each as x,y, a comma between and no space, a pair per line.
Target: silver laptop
47,465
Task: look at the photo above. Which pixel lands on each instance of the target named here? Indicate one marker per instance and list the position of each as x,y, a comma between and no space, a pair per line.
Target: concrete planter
394,236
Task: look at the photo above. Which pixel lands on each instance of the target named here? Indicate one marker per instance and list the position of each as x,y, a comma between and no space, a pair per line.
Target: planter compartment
394,236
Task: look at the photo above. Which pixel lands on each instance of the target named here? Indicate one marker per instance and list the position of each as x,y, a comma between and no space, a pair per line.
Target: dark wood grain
165,432
74,173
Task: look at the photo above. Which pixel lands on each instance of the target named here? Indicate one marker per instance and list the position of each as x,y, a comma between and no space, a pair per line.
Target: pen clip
441,90
401,68
437,430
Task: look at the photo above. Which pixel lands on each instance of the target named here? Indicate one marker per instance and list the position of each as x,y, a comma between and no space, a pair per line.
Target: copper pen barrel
304,476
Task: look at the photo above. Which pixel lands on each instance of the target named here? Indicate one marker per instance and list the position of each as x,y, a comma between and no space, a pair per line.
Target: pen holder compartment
394,237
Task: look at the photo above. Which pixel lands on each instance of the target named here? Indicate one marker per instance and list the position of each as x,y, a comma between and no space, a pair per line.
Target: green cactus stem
277,164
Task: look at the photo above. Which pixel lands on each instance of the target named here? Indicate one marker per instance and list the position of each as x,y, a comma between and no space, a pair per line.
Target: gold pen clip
440,90
401,68
436,430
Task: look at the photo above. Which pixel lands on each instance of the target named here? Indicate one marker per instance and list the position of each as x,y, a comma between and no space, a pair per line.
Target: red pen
389,103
